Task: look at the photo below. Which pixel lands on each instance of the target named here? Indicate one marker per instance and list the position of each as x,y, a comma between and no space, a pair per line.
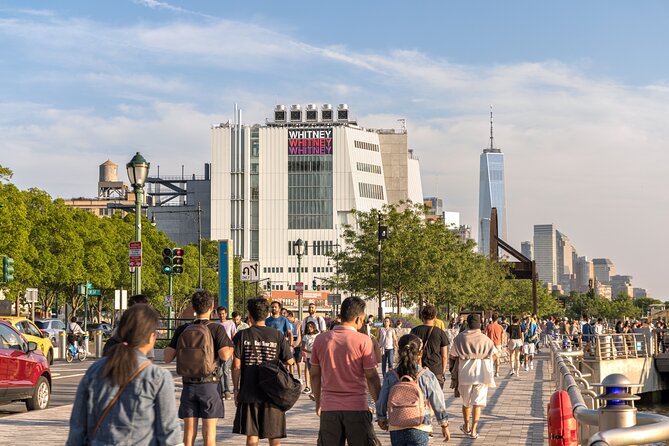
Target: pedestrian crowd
264,361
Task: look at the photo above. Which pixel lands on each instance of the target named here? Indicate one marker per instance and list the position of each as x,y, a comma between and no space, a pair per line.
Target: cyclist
73,330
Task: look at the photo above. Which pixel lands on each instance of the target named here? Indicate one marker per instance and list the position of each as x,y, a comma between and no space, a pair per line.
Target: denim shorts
201,401
409,437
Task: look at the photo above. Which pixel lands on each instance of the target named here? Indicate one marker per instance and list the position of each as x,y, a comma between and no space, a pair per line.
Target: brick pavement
515,415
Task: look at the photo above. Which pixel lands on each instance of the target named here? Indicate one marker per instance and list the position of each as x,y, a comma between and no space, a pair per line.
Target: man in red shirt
343,367
496,334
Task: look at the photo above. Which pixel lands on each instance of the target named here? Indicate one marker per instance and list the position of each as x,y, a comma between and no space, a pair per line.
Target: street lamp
299,250
138,170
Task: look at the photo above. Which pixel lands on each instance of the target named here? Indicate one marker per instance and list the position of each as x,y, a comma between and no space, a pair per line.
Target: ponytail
409,349
134,330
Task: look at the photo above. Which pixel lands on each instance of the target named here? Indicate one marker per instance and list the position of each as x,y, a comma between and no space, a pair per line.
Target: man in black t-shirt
435,343
200,397
256,417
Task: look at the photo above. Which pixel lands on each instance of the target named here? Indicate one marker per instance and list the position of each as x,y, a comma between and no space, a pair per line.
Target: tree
644,303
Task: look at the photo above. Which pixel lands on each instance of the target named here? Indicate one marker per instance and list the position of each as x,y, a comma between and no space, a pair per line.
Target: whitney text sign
310,141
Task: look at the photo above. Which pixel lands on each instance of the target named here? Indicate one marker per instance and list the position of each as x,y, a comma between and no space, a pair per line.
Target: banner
310,141
225,268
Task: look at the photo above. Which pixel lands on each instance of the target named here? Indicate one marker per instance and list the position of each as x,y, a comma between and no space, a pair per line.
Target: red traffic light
178,252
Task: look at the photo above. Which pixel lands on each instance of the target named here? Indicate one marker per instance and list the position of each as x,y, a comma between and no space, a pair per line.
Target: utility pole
382,232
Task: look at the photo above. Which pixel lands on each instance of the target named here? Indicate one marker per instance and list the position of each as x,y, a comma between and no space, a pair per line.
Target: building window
373,191
370,168
310,192
366,146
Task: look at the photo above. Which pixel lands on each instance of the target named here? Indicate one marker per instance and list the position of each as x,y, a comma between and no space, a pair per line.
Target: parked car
53,327
104,328
24,370
32,333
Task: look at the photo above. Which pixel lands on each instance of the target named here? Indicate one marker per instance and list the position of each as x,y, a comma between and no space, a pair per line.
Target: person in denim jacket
145,412
410,347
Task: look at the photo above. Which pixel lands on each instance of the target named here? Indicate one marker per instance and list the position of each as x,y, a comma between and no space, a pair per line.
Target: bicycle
78,352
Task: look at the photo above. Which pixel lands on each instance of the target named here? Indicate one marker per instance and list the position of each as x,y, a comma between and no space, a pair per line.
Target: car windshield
42,325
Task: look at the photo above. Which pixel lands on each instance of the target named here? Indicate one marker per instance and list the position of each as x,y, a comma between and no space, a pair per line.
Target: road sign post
249,271
135,254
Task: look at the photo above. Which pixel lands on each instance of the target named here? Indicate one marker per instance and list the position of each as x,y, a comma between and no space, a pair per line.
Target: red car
24,371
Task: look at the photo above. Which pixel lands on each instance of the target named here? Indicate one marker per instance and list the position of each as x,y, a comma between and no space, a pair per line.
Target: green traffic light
7,269
167,269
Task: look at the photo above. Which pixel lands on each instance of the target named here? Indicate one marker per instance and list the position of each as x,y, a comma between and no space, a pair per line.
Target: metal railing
608,346
650,428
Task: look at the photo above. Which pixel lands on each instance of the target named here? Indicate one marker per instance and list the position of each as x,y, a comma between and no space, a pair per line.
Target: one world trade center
492,193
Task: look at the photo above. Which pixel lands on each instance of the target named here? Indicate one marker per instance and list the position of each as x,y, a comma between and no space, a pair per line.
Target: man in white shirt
475,352
317,320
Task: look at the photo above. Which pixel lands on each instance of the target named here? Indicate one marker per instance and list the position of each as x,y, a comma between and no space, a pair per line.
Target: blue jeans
226,375
409,437
387,360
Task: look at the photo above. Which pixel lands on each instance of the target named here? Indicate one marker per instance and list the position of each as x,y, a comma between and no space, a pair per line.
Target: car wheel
49,356
41,395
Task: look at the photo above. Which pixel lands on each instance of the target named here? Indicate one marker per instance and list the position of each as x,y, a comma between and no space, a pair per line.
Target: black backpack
282,389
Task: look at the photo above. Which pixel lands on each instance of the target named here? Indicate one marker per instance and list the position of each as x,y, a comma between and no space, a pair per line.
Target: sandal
465,431
474,437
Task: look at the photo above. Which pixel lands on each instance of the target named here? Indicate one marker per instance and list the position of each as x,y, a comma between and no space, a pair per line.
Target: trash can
62,345
97,338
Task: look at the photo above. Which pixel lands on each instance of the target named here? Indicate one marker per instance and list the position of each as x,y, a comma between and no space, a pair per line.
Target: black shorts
262,420
353,426
297,354
201,401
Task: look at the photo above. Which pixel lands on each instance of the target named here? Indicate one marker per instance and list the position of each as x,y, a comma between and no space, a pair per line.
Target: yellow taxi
32,333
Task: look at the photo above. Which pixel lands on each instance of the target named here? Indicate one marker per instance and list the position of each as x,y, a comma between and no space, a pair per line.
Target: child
307,344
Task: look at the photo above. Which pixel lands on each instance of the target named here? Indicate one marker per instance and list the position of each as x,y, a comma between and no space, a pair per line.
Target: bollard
62,344
617,408
97,337
86,338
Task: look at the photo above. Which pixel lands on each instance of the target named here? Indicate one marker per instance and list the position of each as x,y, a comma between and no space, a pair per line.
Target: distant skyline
580,90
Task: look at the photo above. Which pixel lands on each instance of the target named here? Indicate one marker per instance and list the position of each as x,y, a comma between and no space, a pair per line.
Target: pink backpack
406,402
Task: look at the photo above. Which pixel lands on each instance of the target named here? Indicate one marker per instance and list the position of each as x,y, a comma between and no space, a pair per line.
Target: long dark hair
135,328
409,349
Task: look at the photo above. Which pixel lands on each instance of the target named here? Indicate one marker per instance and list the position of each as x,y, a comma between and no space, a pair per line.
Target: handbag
115,400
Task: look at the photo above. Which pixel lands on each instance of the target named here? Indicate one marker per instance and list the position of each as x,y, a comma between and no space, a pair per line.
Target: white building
299,176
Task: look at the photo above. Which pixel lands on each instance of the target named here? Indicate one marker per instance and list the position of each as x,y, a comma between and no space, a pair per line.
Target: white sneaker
526,368
532,366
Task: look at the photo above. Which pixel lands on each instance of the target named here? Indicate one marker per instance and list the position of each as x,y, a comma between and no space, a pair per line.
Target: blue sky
580,90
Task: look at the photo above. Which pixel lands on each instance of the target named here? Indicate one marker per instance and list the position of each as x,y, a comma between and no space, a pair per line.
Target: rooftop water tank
108,171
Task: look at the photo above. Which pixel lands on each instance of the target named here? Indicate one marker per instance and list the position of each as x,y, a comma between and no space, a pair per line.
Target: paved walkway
515,415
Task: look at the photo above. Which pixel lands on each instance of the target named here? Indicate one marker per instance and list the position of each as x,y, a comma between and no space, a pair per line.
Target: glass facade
310,192
255,192
491,195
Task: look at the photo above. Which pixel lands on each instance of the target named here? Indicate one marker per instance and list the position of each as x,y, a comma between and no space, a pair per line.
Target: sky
580,93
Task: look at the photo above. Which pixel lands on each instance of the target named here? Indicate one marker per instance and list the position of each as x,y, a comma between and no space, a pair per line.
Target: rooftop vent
326,113
295,113
342,113
312,113
280,113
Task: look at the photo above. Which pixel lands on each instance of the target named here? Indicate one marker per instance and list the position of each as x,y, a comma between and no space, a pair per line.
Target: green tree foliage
620,308
426,262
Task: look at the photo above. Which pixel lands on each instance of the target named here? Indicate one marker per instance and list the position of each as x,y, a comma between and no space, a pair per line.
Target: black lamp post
299,251
138,170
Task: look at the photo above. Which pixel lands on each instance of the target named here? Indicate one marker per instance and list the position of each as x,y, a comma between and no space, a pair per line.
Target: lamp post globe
299,251
138,171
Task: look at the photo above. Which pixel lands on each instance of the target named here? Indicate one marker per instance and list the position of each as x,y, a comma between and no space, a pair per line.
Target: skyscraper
491,193
604,269
565,262
527,249
545,253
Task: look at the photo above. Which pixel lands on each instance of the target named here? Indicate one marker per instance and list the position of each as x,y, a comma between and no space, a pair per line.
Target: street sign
31,295
94,292
249,271
120,299
299,288
135,254
168,301
334,299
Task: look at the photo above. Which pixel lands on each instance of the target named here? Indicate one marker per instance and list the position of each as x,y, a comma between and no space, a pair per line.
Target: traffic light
167,261
177,260
313,285
269,285
7,269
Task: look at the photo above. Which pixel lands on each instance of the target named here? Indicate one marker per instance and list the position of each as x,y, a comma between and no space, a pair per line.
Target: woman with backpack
123,398
402,405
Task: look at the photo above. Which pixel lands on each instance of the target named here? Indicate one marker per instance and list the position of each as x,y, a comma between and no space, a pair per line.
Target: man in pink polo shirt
343,367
